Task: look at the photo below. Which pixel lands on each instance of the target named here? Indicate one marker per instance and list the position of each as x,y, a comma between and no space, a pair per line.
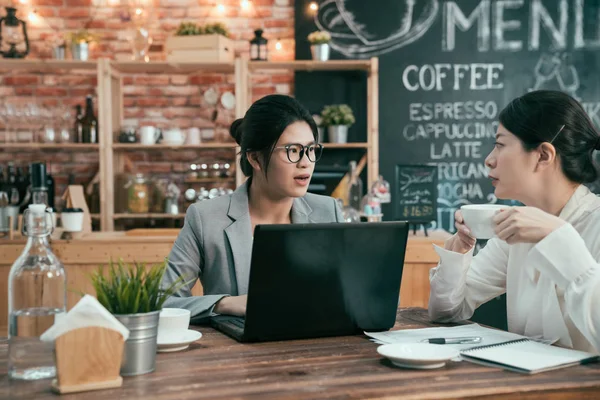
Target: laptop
317,280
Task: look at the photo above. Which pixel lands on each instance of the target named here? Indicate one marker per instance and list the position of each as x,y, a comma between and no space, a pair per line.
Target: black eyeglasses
295,151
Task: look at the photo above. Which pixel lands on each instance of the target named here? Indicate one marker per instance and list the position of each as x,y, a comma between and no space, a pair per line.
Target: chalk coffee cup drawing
478,218
172,321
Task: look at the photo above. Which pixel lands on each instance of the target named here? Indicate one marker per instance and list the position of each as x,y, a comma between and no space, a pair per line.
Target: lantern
13,32
258,47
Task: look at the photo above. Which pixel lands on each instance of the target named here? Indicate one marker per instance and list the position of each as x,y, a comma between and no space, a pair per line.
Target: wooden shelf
209,180
165,67
47,65
345,145
148,216
50,146
136,146
309,65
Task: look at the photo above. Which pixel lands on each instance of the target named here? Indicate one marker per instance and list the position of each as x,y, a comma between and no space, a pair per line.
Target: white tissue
87,312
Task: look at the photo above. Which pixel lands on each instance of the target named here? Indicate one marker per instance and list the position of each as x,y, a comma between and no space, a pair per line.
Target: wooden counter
347,367
84,255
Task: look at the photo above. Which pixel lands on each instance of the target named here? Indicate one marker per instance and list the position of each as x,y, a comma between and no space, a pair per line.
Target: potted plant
134,295
194,42
319,45
337,118
59,46
80,42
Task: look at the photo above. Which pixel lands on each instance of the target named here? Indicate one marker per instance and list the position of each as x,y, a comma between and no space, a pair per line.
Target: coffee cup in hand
479,219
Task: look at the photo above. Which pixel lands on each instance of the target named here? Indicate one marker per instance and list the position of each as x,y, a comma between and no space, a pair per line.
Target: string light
23,1
138,11
33,17
278,45
245,4
220,8
313,6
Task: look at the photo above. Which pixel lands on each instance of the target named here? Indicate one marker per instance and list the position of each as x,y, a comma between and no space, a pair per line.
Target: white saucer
177,341
418,355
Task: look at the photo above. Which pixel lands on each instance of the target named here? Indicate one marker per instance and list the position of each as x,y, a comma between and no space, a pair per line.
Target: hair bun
235,130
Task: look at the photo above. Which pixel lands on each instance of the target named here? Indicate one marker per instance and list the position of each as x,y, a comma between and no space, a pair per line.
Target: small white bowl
478,218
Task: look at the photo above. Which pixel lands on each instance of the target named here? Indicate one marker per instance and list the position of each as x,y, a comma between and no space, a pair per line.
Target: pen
454,340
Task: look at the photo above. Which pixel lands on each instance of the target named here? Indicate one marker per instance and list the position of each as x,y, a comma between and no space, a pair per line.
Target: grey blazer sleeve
186,259
339,216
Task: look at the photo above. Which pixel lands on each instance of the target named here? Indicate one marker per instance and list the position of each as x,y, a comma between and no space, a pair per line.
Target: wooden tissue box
199,48
88,359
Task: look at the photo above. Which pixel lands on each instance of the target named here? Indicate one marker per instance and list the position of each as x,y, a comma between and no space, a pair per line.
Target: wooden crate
199,48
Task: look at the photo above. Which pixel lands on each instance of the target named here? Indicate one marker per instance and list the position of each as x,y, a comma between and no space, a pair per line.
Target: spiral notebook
526,356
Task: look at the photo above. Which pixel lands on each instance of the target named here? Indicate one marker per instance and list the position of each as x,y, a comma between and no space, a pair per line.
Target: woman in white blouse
546,254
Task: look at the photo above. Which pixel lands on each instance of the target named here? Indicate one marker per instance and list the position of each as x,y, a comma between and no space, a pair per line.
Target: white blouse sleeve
461,283
566,258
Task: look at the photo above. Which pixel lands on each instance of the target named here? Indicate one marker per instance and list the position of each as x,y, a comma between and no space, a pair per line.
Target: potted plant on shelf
80,43
319,45
133,294
337,118
200,43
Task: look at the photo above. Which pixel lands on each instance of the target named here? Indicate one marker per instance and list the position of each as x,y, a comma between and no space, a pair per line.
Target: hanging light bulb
33,17
220,8
313,6
278,45
245,4
138,11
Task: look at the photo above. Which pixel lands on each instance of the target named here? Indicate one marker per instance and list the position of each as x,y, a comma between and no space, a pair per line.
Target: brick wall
162,100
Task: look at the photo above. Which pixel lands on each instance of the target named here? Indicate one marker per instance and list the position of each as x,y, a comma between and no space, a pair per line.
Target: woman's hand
525,224
462,241
232,305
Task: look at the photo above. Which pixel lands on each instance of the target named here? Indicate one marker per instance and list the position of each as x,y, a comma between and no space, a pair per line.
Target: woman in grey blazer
279,148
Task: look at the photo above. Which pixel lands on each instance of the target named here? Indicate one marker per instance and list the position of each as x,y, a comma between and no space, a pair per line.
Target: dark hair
264,123
555,117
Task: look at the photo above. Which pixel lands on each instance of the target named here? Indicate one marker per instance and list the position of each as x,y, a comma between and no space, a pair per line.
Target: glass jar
36,295
138,194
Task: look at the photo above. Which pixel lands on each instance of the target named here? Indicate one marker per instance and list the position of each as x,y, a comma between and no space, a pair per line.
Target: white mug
478,218
149,135
173,136
193,136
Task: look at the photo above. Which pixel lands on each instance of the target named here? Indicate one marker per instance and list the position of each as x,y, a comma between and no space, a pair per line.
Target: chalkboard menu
446,70
416,193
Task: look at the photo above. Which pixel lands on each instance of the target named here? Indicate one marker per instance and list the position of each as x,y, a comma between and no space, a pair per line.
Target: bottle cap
37,208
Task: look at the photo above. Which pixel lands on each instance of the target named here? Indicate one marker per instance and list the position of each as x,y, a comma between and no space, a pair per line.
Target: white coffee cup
193,136
173,136
149,135
478,218
173,321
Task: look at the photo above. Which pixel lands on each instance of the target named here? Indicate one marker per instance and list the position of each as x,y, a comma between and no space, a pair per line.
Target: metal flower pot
59,52
139,356
320,52
80,51
338,133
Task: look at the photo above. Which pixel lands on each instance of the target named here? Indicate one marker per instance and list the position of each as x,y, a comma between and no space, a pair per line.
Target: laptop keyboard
237,321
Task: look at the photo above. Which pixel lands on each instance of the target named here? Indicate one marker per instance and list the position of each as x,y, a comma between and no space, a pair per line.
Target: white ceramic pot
72,221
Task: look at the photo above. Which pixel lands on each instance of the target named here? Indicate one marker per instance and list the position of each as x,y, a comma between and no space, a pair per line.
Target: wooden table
217,367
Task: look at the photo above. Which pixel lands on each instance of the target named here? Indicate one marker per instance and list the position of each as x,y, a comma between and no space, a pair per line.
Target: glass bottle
90,123
78,127
36,294
355,188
